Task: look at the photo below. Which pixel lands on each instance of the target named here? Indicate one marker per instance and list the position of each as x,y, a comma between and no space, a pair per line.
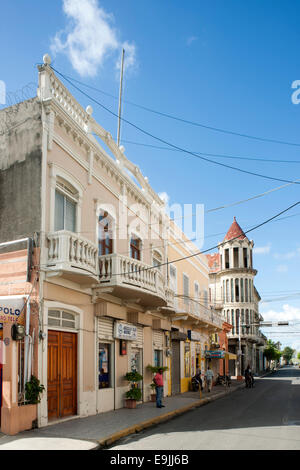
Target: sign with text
12,310
215,354
125,331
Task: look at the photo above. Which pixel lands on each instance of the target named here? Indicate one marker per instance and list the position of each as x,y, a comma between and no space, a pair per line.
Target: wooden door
62,374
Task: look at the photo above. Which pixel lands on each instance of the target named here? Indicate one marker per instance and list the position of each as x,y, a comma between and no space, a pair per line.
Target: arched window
237,290
66,199
157,260
237,320
135,247
105,234
232,290
242,321
227,291
246,290
242,290
232,322
247,317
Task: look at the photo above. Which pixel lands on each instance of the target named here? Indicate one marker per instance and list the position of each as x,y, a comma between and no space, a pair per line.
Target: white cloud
288,255
285,334
262,250
282,268
89,37
288,313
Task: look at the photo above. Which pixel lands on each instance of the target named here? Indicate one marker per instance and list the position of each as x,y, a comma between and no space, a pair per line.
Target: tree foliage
271,352
288,353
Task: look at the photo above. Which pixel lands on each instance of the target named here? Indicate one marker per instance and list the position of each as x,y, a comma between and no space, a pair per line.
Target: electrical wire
169,143
216,246
186,121
216,155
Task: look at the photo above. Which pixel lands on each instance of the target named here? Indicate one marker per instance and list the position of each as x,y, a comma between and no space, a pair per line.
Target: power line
169,143
221,244
186,121
217,155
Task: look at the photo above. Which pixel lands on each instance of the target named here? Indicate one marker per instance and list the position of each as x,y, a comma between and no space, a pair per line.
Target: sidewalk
102,430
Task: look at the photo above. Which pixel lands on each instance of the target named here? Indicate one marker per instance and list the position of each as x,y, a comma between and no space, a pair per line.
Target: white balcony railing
119,270
68,251
196,309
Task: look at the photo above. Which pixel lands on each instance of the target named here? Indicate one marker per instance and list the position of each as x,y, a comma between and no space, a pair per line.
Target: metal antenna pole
120,98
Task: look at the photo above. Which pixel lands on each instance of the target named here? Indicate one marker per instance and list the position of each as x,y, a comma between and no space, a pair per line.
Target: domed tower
232,291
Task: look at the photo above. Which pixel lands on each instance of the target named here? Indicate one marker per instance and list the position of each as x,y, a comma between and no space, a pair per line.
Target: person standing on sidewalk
159,382
209,377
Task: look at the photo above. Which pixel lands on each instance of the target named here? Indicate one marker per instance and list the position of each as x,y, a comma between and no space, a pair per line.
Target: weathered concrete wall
20,170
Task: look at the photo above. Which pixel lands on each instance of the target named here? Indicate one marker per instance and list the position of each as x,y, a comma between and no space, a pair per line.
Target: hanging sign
216,354
12,310
125,331
194,335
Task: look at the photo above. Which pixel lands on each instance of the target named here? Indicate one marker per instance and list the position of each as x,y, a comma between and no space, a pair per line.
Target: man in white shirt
209,377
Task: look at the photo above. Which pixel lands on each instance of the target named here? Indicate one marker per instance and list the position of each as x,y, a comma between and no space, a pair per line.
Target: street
266,417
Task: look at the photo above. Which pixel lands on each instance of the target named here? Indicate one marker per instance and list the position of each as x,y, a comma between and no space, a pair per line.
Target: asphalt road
266,417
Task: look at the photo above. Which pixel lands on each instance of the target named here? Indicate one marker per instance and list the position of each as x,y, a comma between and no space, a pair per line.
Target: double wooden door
62,374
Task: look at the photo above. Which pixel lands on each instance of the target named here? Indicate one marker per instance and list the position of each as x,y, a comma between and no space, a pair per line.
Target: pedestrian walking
209,378
159,382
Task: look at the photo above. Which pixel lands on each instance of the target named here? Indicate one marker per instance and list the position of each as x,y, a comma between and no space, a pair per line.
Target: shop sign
215,354
12,310
178,335
194,335
125,331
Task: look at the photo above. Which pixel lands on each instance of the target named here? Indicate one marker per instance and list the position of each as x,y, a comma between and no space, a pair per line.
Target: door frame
52,305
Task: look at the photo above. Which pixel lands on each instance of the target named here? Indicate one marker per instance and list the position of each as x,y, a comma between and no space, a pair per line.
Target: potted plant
134,394
33,390
153,392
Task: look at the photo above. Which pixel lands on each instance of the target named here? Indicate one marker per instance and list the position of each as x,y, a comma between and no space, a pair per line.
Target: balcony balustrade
74,257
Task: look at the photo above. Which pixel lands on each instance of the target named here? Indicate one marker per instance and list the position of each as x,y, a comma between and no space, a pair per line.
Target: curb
108,441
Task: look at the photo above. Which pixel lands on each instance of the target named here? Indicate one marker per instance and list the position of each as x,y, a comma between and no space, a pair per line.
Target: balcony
203,316
72,257
132,280
251,337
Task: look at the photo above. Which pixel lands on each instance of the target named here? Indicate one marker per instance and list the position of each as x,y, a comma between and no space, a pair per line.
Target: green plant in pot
135,393
153,391
155,369
33,390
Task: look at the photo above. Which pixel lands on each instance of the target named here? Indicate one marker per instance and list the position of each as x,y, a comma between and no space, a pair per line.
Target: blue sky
227,64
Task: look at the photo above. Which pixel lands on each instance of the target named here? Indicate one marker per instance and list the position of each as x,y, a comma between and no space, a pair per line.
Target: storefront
195,339
177,338
213,357
119,350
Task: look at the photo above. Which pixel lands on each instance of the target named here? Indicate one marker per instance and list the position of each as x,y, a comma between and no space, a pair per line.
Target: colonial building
84,268
195,325
233,293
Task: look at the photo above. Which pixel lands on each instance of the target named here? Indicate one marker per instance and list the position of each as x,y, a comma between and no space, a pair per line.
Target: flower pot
130,403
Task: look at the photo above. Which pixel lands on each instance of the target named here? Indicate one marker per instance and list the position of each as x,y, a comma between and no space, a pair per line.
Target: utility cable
186,121
169,143
216,246
216,155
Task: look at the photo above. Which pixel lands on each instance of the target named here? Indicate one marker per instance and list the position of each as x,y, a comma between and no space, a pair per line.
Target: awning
229,355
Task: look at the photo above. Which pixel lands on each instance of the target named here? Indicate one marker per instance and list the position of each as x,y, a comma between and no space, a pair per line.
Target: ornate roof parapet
52,91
